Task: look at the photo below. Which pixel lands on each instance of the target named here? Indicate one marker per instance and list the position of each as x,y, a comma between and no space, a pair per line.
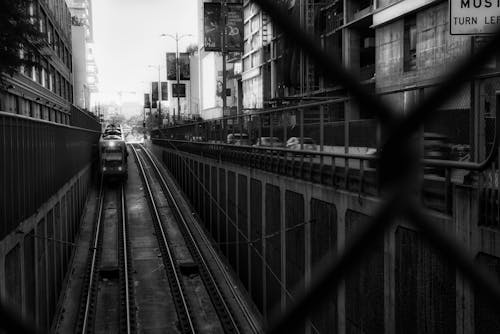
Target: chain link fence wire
399,165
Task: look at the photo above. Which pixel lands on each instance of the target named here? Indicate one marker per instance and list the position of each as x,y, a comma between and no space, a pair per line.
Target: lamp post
159,94
177,38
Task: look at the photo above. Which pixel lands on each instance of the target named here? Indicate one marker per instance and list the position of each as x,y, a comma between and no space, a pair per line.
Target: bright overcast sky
127,40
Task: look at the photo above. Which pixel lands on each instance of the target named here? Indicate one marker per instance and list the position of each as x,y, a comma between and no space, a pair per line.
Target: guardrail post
285,127
271,119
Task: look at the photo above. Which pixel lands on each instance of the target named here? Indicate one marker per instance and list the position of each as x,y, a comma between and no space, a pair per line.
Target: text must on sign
474,17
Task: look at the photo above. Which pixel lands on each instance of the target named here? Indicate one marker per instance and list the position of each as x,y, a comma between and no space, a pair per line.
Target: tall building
84,66
256,76
211,76
45,91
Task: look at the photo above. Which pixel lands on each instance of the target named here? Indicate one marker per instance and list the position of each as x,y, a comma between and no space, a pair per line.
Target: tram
113,152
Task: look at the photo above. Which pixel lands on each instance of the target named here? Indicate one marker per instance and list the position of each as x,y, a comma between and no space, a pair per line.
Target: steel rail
229,322
128,320
95,250
175,281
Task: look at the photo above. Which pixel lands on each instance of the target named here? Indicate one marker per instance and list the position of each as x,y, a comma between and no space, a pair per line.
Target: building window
410,44
21,56
51,79
50,32
42,21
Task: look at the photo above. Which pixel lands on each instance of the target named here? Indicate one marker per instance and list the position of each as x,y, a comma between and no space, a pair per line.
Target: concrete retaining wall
275,229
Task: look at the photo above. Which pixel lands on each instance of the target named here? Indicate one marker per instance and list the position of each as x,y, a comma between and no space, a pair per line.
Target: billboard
171,66
184,71
234,28
147,101
212,26
164,91
179,90
154,93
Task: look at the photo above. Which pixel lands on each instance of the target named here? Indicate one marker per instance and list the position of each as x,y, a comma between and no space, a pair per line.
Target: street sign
171,66
179,90
474,17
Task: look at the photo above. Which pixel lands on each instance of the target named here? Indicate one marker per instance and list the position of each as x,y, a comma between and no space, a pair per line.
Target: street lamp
177,38
159,93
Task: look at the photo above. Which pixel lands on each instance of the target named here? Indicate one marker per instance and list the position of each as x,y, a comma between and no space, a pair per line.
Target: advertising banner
184,66
212,26
179,90
164,91
154,93
147,101
171,70
234,28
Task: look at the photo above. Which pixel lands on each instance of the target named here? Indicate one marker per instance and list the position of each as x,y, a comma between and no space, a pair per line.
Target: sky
127,40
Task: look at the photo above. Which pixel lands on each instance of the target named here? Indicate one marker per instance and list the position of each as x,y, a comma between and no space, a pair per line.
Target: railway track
108,288
177,288
227,320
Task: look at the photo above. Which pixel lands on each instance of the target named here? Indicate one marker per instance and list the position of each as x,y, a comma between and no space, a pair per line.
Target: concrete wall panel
425,287
232,220
256,245
294,236
365,285
29,276
222,211
323,242
273,248
13,283
243,230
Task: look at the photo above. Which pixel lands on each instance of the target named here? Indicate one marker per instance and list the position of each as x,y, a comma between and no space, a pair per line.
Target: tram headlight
104,169
111,144
120,168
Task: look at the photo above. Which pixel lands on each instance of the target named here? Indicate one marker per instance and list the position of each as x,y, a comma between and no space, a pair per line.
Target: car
269,142
238,139
308,144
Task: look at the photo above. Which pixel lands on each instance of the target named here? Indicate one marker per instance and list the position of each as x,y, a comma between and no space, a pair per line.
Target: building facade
45,91
399,49
84,66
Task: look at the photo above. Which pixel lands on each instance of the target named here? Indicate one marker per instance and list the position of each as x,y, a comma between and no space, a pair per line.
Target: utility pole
159,94
177,38
223,50
160,123
177,75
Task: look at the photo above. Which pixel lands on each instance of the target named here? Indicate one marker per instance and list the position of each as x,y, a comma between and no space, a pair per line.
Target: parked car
238,139
269,142
293,143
